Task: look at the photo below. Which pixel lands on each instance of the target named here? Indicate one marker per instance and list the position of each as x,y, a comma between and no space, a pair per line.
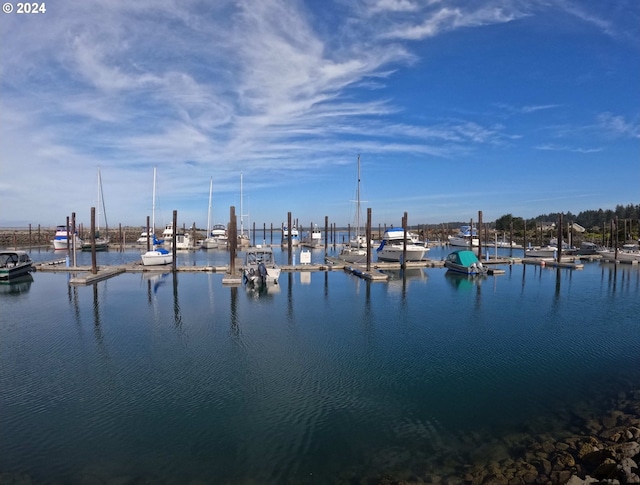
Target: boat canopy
463,257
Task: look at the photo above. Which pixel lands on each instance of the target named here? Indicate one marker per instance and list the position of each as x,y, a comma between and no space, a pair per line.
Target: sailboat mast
153,205
358,203
209,213
101,202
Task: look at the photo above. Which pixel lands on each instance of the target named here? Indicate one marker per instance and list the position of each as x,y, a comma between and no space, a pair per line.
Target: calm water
322,379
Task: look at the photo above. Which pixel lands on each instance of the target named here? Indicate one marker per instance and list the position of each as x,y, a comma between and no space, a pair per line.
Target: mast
153,205
358,205
209,213
241,211
101,202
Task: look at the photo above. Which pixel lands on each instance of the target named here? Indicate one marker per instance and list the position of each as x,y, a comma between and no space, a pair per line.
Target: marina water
325,378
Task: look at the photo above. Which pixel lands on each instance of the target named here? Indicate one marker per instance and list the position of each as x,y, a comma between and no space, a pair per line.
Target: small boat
313,238
184,241
628,255
464,261
392,247
217,238
14,264
467,237
260,266
61,237
295,236
100,243
167,233
157,257
588,248
545,252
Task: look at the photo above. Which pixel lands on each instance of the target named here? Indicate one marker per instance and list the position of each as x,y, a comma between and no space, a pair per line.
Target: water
323,379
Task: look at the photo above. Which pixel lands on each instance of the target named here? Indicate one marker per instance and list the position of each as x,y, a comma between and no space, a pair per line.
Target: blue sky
504,106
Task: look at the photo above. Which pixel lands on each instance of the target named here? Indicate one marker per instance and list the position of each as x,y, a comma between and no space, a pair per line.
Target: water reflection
16,286
464,282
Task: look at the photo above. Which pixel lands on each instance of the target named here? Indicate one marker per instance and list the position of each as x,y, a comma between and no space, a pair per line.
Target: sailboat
101,243
155,256
243,239
216,234
355,251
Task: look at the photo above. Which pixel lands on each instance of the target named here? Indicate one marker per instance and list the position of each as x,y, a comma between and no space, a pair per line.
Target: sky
520,107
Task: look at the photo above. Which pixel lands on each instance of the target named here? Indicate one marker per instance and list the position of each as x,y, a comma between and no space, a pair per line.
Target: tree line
592,220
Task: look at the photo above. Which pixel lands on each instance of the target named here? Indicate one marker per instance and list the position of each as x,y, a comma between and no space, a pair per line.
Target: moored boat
392,247
62,236
260,266
157,257
467,237
14,264
464,261
545,252
313,238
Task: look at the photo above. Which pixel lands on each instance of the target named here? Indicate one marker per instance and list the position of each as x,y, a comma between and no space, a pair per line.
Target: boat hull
393,253
14,264
157,258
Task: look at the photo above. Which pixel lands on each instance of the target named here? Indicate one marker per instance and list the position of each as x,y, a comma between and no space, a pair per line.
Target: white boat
216,235
60,239
464,261
545,252
627,255
14,264
467,237
588,248
295,236
313,238
355,251
184,242
260,267
100,243
167,233
392,247
156,256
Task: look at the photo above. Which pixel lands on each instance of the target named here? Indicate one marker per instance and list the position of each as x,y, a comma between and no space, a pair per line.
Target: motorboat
260,266
467,237
167,233
295,236
545,252
14,264
217,238
157,257
464,261
588,248
62,236
625,255
352,254
313,238
184,241
392,247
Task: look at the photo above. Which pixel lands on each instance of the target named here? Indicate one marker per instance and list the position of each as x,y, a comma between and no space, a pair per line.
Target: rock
627,450
607,470
629,471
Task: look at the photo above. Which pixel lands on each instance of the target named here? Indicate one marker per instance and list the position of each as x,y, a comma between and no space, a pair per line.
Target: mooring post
559,237
233,240
94,264
615,226
326,234
173,241
368,238
479,235
73,238
290,256
404,240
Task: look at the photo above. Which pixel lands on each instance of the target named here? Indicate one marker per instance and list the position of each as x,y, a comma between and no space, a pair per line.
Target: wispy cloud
561,148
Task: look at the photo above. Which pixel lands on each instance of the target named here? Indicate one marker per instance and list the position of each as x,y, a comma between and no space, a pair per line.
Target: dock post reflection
177,317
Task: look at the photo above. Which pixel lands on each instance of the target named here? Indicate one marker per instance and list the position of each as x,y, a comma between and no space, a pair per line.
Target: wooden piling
479,235
173,241
403,265
559,236
290,255
94,264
